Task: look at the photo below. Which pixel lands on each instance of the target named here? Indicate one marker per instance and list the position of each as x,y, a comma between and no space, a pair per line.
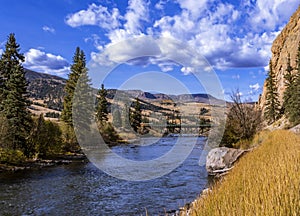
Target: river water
82,189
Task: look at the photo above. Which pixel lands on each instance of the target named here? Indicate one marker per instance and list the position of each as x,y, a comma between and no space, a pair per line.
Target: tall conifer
289,87
77,68
14,101
136,116
272,105
101,108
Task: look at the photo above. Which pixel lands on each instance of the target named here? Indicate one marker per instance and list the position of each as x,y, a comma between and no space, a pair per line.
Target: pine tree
126,117
83,103
136,116
101,109
289,84
15,102
272,105
77,68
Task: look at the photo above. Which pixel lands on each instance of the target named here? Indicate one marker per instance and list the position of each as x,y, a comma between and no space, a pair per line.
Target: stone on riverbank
220,160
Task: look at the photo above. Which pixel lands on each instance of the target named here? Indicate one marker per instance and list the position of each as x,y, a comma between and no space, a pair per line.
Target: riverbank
264,182
43,163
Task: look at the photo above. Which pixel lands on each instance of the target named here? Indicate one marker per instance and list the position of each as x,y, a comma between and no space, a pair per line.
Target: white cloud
254,87
227,35
96,40
48,29
137,11
166,53
1,51
161,4
187,70
194,7
46,62
95,15
272,13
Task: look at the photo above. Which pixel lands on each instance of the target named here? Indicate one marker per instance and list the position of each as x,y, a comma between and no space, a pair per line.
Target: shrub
13,157
243,121
70,143
108,133
46,138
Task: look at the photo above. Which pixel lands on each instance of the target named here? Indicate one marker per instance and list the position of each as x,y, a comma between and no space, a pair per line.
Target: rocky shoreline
43,163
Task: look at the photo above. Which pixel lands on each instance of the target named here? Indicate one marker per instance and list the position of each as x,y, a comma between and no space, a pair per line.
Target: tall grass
264,182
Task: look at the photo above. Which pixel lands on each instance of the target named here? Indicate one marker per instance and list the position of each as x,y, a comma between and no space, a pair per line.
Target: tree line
23,135
27,136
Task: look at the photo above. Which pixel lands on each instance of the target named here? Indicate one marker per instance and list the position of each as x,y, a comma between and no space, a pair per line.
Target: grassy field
264,182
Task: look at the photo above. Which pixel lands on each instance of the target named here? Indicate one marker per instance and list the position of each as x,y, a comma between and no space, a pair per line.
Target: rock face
285,44
220,160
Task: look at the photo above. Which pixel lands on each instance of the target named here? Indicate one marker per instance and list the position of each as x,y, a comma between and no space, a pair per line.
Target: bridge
179,128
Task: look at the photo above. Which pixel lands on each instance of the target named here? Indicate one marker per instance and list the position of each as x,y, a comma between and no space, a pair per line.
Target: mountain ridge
50,89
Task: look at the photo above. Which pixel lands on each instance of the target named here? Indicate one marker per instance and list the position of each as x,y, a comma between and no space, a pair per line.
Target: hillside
45,89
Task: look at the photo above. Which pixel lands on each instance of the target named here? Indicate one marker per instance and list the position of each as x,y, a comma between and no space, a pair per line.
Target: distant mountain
32,75
49,91
183,98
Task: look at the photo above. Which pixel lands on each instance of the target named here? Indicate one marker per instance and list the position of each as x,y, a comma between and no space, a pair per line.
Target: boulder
296,129
220,160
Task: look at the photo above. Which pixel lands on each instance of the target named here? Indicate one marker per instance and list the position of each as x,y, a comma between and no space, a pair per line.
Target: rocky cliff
285,44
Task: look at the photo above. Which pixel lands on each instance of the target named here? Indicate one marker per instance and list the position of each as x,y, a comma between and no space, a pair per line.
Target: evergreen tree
289,91
83,103
136,116
77,68
272,105
126,117
15,102
101,109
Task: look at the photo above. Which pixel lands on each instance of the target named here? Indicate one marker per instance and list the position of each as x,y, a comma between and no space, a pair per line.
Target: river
82,189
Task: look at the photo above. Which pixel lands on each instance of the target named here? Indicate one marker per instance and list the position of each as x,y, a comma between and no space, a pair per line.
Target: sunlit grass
265,182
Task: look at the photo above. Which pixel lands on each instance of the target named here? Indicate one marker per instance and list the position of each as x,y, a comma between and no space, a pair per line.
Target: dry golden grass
264,182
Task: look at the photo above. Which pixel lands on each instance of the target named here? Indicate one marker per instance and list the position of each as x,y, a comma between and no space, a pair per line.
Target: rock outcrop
285,44
220,160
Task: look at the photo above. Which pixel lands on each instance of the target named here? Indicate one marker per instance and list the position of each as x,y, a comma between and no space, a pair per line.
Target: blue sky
235,38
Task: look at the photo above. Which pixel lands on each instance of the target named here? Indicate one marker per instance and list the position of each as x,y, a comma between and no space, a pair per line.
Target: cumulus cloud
137,11
95,15
227,35
269,14
1,51
48,29
46,62
164,52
